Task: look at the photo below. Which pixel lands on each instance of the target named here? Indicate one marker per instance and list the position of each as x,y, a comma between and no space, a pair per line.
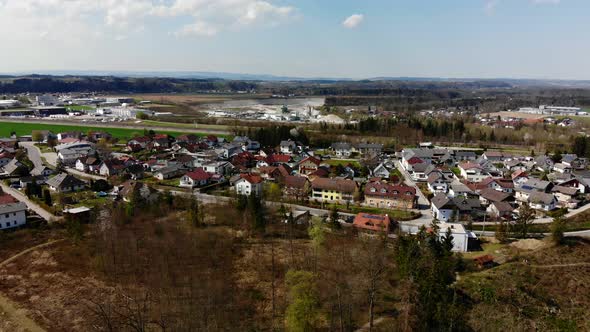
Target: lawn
343,162
80,108
6,128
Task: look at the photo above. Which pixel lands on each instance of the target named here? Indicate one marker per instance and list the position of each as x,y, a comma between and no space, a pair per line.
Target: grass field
185,125
79,108
26,128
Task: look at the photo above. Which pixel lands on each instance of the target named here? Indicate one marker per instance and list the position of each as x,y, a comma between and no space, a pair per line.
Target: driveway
36,156
33,152
30,204
423,202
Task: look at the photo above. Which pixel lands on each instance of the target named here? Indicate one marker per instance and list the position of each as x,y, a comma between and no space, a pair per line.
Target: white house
288,146
459,233
249,184
195,178
12,215
442,207
473,172
542,201
218,167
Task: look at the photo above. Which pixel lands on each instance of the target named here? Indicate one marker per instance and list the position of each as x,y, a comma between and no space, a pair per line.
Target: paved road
423,202
30,204
585,234
77,173
33,152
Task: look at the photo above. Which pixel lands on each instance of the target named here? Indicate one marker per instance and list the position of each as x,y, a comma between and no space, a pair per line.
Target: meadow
6,128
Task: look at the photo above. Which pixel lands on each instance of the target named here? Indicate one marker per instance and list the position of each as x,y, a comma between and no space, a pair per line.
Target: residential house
5,158
461,156
566,196
458,189
132,189
381,171
574,162
12,212
495,156
188,139
462,238
15,168
562,168
488,195
296,187
139,142
365,149
43,171
218,167
249,184
472,172
437,183
419,172
88,164
196,178
542,201
519,178
65,183
372,223
288,147
111,167
169,172
384,195
333,190
342,149
500,210
309,165
544,163
458,208
537,185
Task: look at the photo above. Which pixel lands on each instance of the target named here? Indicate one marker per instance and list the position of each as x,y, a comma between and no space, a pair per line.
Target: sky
301,38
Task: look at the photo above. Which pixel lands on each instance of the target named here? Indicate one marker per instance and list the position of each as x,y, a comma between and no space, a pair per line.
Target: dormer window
383,191
395,192
373,190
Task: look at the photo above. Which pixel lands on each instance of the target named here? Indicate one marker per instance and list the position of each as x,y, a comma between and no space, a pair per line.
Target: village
53,174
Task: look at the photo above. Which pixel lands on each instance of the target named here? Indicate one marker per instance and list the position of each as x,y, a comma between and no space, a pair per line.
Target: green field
80,108
26,128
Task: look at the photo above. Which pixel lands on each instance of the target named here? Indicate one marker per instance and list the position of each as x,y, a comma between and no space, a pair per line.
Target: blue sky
305,38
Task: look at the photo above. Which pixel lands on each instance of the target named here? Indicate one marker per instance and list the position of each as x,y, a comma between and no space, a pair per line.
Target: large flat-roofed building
47,111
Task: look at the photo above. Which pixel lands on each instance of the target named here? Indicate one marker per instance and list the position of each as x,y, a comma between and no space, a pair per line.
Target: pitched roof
494,195
293,181
198,175
503,207
251,178
64,180
7,199
384,190
538,197
518,174
372,222
339,185
442,201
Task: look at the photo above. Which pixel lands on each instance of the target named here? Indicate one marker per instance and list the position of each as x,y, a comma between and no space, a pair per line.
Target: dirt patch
528,244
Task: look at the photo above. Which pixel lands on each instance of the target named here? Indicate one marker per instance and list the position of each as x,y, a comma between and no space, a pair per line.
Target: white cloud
353,21
197,29
117,17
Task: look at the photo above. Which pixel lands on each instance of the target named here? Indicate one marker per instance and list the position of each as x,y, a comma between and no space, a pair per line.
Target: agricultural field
192,99
6,128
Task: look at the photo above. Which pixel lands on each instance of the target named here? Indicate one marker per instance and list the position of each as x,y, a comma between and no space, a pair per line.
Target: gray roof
13,207
39,170
64,180
537,197
12,166
442,201
536,184
341,146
